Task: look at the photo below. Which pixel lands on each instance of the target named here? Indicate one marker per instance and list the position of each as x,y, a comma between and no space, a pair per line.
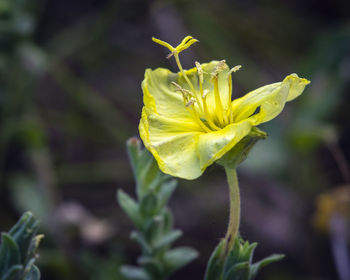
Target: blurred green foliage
152,219
18,250
70,74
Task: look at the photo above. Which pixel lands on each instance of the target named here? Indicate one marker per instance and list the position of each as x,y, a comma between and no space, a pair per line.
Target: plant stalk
235,208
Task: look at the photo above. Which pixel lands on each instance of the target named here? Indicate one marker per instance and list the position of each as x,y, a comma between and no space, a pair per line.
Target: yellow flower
189,120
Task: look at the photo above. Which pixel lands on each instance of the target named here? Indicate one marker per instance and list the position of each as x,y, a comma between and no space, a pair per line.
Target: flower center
210,117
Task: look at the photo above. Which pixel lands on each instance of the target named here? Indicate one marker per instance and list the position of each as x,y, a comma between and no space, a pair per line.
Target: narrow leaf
167,239
130,207
13,273
264,262
216,263
9,253
134,273
179,257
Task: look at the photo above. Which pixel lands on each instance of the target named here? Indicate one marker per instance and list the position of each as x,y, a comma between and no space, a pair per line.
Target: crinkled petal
212,146
182,151
172,143
160,96
265,103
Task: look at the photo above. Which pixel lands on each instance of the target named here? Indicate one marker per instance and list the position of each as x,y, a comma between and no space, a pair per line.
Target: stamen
184,91
198,120
218,68
219,108
200,72
234,69
206,112
206,91
190,102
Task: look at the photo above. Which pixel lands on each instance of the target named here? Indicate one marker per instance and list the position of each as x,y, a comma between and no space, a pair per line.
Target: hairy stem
235,208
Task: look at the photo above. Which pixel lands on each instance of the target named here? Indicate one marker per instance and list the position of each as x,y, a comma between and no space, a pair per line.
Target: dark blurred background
70,74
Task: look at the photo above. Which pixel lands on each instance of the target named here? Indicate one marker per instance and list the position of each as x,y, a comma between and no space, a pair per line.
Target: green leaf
166,191
142,241
13,273
34,274
9,253
216,263
167,239
23,232
179,257
134,273
130,207
264,262
233,256
152,265
149,205
238,272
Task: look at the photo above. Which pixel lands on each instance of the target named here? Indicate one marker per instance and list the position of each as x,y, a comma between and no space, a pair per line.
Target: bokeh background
70,74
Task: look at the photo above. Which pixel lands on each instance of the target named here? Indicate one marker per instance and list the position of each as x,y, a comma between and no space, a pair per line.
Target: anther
190,102
200,71
184,91
205,92
235,69
218,68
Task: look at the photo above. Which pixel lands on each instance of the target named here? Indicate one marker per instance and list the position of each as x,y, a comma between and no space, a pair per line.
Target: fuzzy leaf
216,263
134,273
9,253
148,205
179,257
13,273
34,274
167,239
22,233
264,262
238,272
130,207
166,191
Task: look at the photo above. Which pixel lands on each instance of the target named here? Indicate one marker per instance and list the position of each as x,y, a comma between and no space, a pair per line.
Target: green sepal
216,263
241,150
237,264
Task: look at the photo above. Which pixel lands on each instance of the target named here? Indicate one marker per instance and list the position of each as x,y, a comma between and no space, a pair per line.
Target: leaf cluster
152,219
18,250
236,264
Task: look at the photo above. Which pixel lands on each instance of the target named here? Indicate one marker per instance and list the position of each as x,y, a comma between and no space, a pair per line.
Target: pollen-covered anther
190,102
200,71
186,93
235,69
219,68
205,92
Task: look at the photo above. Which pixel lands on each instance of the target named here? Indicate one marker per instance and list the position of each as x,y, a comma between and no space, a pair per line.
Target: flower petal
269,100
182,151
172,142
160,96
212,146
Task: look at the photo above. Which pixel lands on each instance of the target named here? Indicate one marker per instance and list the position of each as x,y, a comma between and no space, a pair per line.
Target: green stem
235,208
